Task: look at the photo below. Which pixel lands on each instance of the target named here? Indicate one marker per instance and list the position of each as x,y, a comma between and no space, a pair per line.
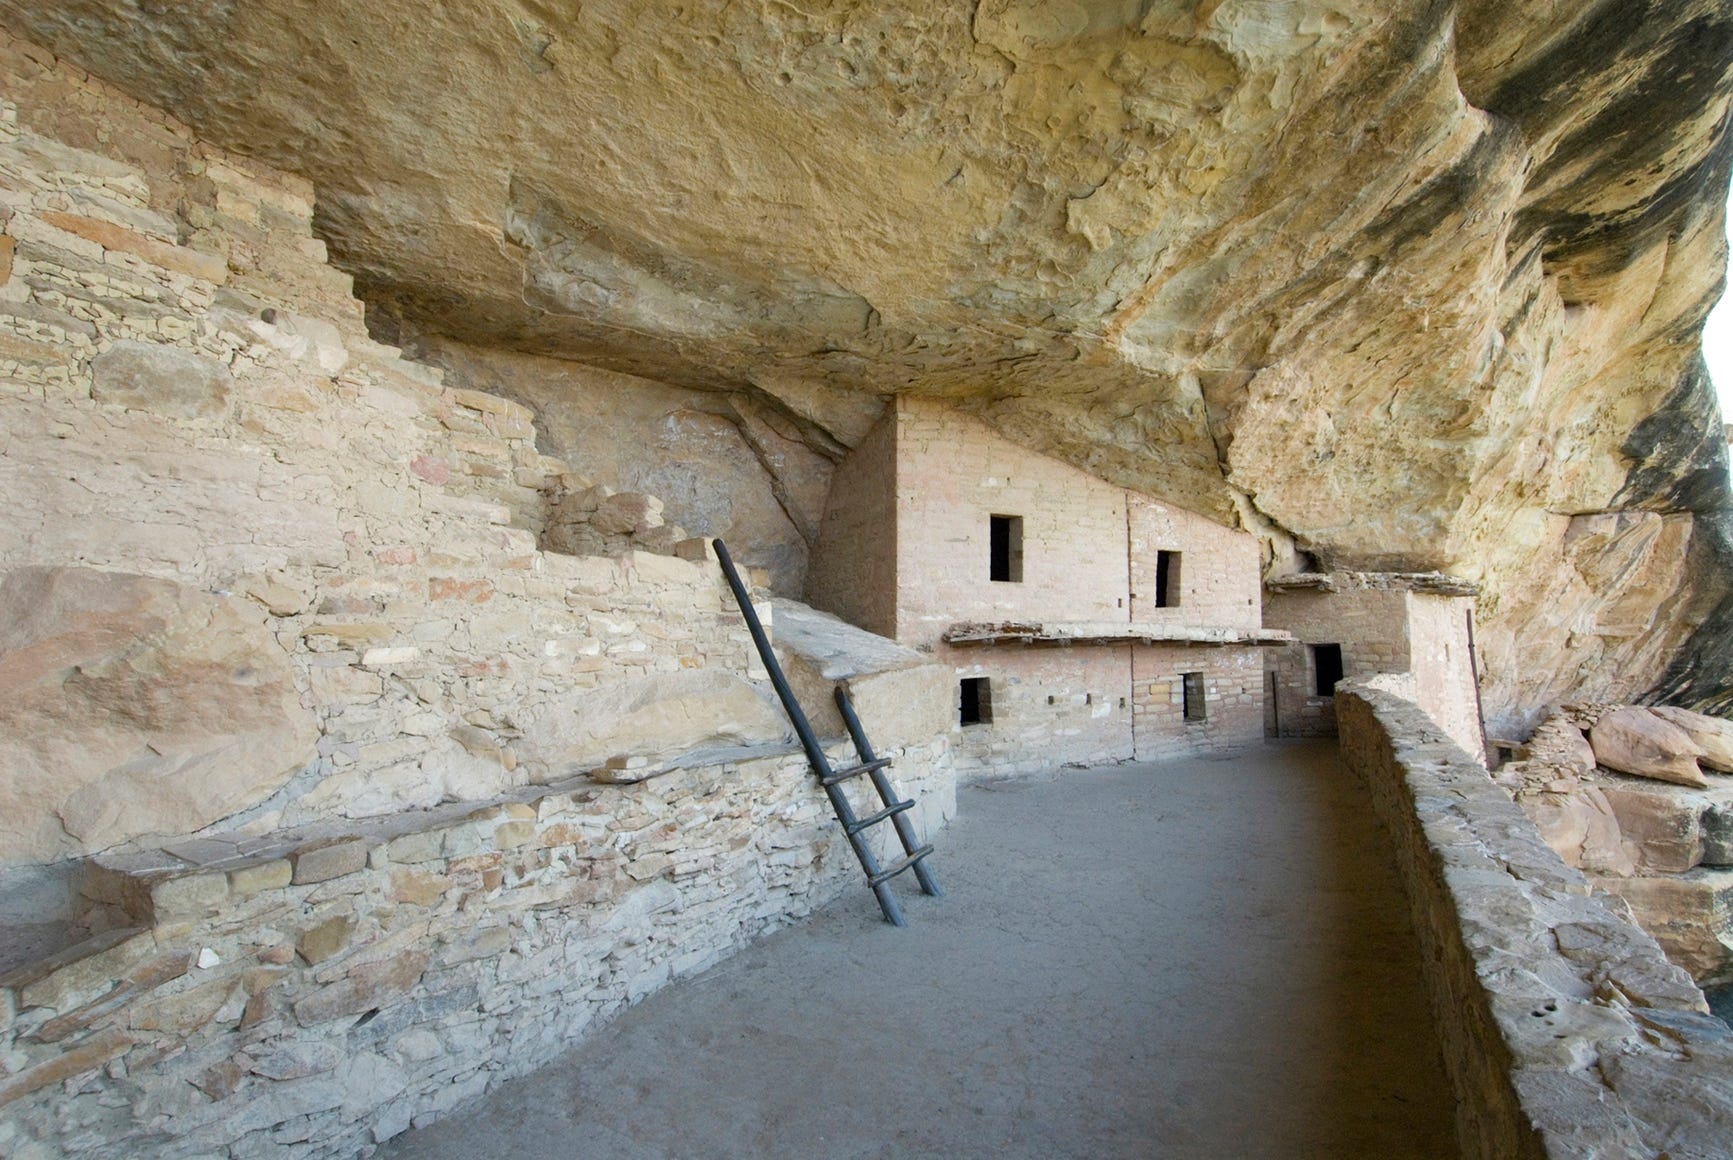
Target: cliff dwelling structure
1079,383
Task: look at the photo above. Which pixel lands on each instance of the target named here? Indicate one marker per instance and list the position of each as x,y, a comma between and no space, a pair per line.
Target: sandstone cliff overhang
1403,286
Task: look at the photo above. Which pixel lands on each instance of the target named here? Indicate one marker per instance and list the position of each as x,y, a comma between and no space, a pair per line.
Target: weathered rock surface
1690,915
654,716
1635,740
131,706
1406,285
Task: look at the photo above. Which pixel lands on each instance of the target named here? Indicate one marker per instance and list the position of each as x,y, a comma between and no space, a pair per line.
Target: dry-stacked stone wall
329,797
1566,1031
315,993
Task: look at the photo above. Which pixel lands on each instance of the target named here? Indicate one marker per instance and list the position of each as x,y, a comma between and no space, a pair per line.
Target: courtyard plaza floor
1192,958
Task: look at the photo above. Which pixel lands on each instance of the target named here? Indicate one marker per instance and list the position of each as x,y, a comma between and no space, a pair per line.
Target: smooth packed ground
1196,958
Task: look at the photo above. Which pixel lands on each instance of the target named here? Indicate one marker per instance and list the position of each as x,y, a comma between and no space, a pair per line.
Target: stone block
367,986
86,1057
328,860
904,706
357,635
1662,822
186,1012
659,569
1713,735
417,887
82,972
409,849
162,380
131,705
328,938
187,896
375,658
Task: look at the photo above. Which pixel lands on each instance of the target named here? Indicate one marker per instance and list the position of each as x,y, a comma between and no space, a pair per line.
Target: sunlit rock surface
1400,285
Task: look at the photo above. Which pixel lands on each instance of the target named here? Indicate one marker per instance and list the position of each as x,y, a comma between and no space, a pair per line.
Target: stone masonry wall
1369,624
1089,553
1218,569
212,414
1051,707
1441,658
1233,699
853,570
952,474
1381,631
1566,1031
411,893
315,993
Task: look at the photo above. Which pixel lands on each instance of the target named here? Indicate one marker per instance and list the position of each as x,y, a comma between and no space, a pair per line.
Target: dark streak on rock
1680,464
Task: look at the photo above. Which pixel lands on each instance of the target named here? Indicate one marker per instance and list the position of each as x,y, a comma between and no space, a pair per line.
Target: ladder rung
854,771
874,819
896,868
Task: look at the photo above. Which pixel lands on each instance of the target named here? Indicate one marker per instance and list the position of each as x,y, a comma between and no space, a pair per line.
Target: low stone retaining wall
312,994
1566,1032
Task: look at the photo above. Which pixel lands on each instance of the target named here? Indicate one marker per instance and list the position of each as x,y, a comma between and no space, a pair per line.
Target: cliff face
1405,284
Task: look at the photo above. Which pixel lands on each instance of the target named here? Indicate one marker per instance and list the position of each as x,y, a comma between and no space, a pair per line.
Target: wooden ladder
894,809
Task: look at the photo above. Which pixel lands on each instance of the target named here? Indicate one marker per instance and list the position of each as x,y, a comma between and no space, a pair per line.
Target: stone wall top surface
1567,1032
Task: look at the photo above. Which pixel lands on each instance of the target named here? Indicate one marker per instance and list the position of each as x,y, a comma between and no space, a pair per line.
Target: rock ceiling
1398,284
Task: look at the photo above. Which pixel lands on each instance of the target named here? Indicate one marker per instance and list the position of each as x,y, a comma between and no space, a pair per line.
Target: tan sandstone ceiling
1397,282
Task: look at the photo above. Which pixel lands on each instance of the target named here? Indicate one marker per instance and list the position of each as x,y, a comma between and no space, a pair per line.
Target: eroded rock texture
1409,284
133,706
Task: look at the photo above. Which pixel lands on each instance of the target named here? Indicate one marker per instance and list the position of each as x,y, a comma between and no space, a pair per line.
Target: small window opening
977,701
1167,579
1191,685
1327,665
1005,541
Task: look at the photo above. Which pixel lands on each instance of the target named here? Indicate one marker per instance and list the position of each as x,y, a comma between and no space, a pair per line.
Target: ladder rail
878,880
905,828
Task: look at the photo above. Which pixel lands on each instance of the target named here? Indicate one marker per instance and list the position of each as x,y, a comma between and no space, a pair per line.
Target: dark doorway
977,701
1005,544
1327,666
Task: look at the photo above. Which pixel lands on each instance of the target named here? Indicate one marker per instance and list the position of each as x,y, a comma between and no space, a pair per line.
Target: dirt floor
1198,958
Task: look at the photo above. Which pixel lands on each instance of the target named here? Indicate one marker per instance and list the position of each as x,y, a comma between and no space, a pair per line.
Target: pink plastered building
1085,622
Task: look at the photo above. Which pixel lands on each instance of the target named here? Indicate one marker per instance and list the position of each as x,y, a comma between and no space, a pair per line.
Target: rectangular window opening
1167,579
977,702
1191,685
1005,545
1327,666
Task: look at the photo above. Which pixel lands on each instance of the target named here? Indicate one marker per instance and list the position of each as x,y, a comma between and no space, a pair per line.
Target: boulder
1713,735
1634,740
132,706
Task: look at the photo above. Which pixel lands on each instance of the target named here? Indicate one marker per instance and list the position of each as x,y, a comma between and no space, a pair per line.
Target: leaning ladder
895,809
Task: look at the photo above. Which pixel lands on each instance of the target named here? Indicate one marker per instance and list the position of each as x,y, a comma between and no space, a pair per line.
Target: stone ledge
1566,1031
1111,632
432,955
